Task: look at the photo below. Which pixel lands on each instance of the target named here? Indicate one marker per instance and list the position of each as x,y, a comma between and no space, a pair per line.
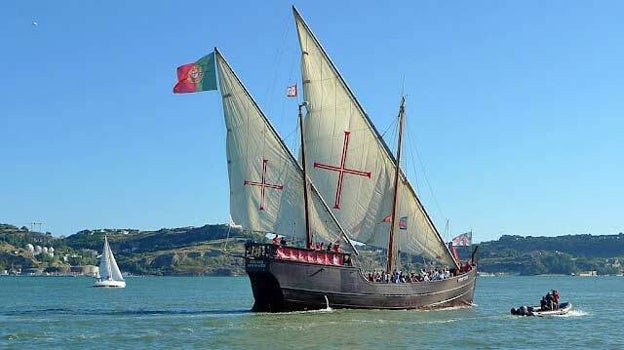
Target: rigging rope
414,150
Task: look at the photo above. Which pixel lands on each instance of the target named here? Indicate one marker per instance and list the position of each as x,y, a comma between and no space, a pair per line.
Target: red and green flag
198,76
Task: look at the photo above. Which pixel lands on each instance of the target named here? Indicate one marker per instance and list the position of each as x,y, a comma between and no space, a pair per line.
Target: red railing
279,252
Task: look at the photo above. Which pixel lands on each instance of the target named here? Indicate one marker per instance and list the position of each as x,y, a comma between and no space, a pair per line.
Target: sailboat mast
305,179
390,259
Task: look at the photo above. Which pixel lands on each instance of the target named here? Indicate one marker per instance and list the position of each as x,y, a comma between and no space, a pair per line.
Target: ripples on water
165,313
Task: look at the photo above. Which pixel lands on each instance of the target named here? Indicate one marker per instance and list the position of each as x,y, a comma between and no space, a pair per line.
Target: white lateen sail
266,181
352,166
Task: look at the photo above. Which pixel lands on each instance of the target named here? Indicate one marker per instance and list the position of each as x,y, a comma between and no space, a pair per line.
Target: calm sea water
213,313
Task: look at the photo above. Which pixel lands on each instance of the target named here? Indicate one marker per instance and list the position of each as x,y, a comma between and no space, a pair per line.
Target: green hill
179,251
196,251
553,255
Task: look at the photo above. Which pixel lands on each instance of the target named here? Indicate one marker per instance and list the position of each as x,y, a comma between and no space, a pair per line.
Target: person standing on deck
549,301
555,295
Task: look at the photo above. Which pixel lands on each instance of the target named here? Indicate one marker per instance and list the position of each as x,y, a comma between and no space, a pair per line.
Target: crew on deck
425,275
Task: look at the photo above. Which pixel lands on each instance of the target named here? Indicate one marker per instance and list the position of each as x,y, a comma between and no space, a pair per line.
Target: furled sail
352,166
266,181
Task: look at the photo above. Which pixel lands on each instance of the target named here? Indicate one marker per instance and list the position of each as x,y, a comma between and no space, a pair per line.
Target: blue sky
514,107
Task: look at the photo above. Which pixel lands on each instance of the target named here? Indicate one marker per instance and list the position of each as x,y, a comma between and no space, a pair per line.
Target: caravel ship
347,187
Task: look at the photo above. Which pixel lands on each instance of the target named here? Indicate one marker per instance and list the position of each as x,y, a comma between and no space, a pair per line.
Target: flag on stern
198,76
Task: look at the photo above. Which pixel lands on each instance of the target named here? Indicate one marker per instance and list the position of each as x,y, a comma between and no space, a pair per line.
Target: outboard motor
524,310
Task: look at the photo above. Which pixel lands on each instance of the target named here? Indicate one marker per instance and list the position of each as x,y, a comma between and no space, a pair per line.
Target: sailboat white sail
109,275
351,164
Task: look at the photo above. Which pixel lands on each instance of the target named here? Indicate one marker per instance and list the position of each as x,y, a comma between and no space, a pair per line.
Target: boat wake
316,311
327,307
574,313
450,308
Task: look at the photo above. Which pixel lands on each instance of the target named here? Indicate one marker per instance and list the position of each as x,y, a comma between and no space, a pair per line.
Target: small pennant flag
463,240
198,76
291,91
403,223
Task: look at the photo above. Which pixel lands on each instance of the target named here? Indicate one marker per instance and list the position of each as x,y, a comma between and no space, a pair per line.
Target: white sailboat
109,275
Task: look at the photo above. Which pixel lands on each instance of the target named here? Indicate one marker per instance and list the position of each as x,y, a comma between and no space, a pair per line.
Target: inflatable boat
524,310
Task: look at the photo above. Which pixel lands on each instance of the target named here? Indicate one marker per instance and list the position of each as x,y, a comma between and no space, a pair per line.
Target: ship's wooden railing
281,252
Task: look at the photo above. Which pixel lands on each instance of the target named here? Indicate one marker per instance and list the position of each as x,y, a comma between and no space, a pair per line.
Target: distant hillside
14,252
195,251
553,255
179,251
604,246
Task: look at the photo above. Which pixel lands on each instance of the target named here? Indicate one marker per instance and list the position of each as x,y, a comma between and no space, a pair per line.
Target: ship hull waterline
282,286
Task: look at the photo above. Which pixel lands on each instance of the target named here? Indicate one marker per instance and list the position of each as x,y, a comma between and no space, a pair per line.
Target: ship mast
393,225
305,178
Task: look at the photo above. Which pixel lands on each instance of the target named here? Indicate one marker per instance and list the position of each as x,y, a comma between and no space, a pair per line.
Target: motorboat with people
524,310
549,306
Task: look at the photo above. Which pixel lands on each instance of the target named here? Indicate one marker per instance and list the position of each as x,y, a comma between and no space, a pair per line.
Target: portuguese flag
198,76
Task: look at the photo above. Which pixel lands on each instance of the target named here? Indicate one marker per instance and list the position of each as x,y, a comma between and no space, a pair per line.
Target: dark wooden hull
281,286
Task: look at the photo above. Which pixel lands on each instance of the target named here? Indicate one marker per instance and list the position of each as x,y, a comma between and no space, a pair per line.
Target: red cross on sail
342,169
263,184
